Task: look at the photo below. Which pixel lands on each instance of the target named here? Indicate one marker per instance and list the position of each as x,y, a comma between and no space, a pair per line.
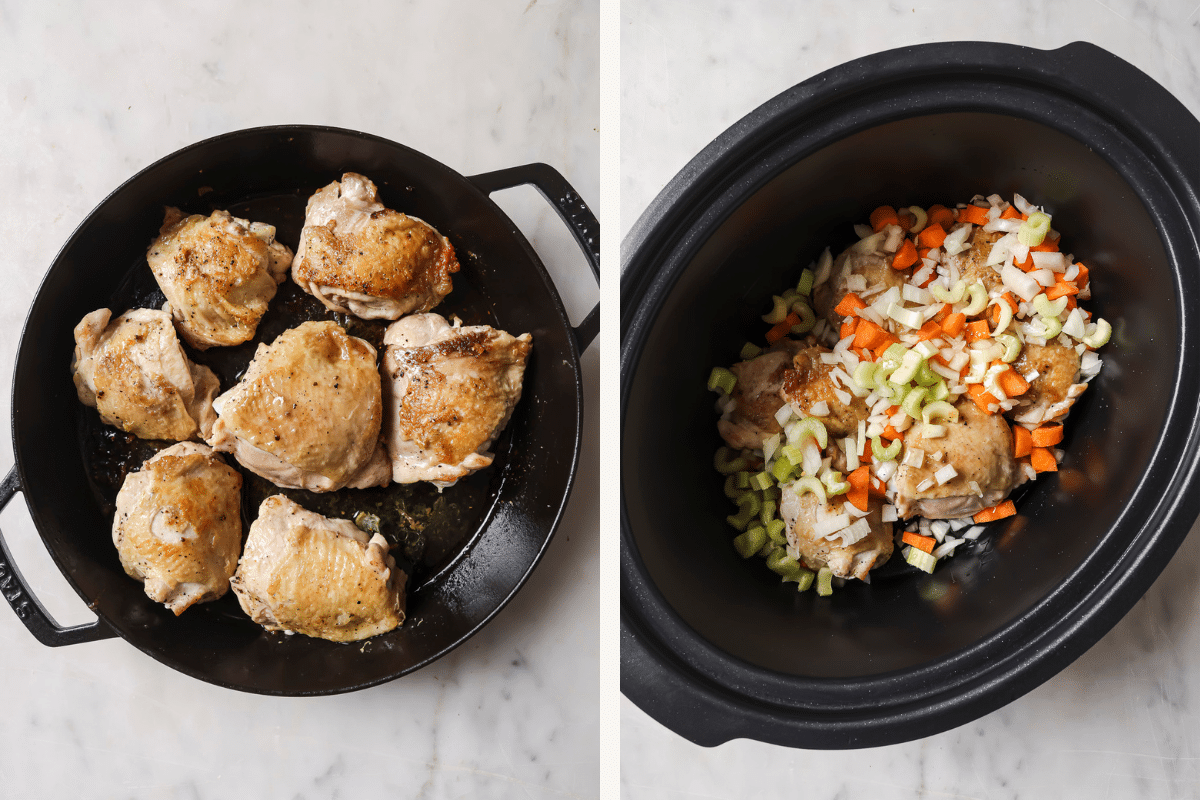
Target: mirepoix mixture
904,389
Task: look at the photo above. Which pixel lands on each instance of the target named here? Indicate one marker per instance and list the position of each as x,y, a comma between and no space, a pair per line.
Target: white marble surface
1121,722
93,92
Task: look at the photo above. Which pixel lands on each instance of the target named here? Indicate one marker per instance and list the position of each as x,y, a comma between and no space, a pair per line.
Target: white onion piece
827,526
895,235
1020,252
944,474
820,409
1023,205
863,231
915,294
1011,225
871,243
856,532
1043,276
856,283
824,267
956,242
1050,261
1025,287
886,470
1002,250
770,446
783,415
888,513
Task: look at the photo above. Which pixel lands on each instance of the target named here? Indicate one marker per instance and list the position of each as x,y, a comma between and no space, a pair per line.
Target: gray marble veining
91,93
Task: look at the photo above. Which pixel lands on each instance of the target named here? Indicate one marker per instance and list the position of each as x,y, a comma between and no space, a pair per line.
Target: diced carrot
928,280
1011,213
868,334
930,330
1081,280
1047,435
1005,509
783,328
878,487
850,303
1043,460
1047,246
978,330
848,327
858,498
918,541
891,433
1022,441
945,311
1012,301
953,325
1071,302
931,235
882,217
923,252
1027,265
888,341
994,314
1012,383
906,256
982,398
859,478
973,214
1061,288
941,216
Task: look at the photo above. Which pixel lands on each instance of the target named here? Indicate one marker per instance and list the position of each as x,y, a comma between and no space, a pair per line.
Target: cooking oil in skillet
429,529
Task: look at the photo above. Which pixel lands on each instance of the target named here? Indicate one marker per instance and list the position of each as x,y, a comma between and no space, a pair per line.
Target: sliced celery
1101,335
824,581
811,426
805,285
926,376
778,311
725,463
803,578
761,480
911,404
979,299
908,367
921,560
939,391
810,486
807,318
1012,347
1006,316
1033,230
781,563
882,453
834,485
793,454
769,507
894,355
750,350
782,469
750,542
939,410
1052,325
721,380
864,375
776,531
731,487
944,295
1046,307
742,479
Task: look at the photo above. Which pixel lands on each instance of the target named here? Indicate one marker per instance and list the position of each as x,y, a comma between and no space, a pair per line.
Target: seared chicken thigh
322,577
980,448
875,269
756,397
218,273
357,256
134,372
178,526
972,263
808,382
449,391
851,560
1057,369
307,413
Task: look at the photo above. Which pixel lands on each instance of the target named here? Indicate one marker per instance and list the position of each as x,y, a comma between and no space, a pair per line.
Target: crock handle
27,607
571,208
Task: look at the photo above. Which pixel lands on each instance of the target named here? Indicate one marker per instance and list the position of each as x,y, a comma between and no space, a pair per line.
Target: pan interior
472,551
904,619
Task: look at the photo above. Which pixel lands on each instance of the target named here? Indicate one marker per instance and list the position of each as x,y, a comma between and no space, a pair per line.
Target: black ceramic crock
267,174
716,648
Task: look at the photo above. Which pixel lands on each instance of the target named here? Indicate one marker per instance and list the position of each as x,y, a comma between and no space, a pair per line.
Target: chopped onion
856,532
944,474
851,451
1001,250
925,484
888,512
913,457
783,415
904,316
1023,205
820,409
863,231
1025,287
1050,261
1043,276
830,524
824,267
895,235
886,470
856,283
1020,252
973,532
947,548
915,294
871,243
956,242
1006,225
1074,326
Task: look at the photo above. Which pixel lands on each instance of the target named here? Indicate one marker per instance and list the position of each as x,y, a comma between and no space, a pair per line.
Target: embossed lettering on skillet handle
570,206
26,606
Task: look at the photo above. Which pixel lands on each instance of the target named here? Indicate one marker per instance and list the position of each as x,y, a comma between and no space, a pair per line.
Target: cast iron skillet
716,648
268,173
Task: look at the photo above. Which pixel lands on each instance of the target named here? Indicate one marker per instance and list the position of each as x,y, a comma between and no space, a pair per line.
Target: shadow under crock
732,621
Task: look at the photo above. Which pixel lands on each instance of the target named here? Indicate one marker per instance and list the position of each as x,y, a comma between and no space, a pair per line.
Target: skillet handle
27,607
571,208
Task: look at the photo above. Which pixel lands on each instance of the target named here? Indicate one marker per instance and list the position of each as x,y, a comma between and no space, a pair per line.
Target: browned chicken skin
801,513
757,397
874,267
809,382
357,256
972,262
1057,368
979,446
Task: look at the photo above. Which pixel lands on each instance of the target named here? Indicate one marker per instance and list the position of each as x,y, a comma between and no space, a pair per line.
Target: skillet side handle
579,218
26,606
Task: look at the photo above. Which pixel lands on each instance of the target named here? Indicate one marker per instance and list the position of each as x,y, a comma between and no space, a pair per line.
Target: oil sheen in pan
430,529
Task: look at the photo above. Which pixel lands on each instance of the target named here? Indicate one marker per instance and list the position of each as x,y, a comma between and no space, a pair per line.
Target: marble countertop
1123,721
92,93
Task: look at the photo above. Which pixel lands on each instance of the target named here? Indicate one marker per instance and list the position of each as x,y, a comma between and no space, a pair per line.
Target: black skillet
468,551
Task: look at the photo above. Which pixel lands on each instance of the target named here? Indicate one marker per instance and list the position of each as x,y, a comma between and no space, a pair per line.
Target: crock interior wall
673,497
